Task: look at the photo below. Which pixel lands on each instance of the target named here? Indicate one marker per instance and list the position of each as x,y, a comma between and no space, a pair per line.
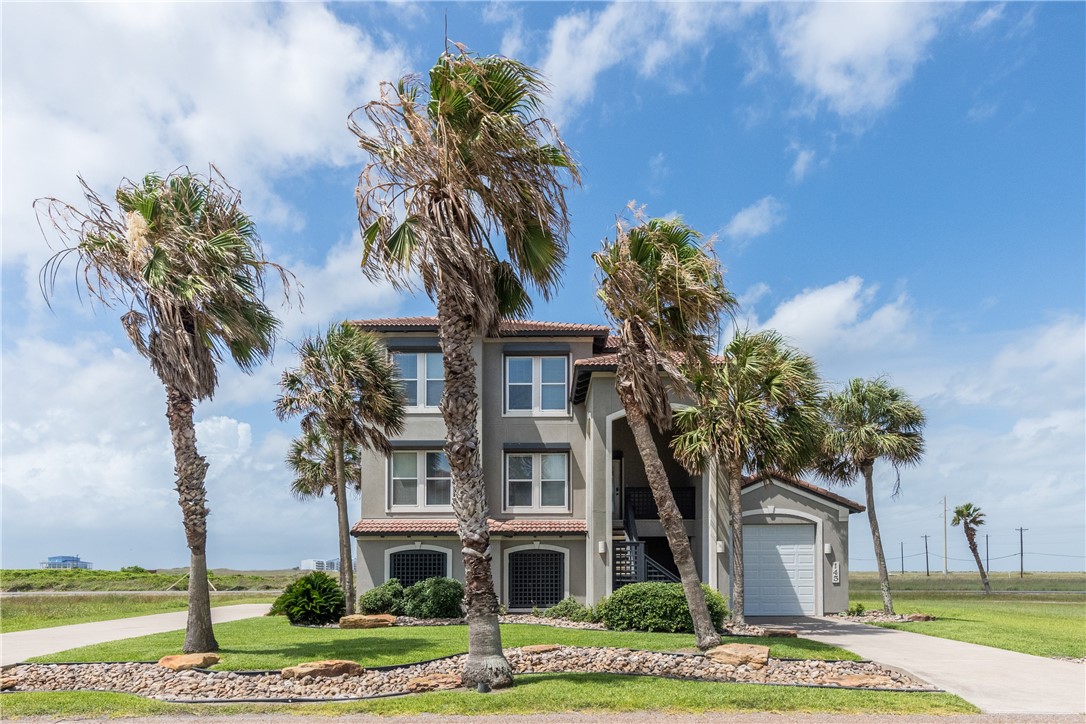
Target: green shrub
856,609
434,598
386,598
133,569
313,600
658,607
569,608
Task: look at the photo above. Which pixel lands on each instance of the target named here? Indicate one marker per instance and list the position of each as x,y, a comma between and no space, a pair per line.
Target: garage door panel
779,562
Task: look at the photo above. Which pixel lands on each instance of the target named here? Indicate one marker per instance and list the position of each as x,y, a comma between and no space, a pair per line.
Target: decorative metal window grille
410,567
536,578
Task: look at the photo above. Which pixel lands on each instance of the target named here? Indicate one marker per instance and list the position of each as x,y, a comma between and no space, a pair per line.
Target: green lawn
1050,626
861,582
271,643
532,694
44,579
21,613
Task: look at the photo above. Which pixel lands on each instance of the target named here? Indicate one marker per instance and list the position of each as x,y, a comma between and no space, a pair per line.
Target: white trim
535,545
802,493
420,489
819,561
418,547
537,386
421,365
591,559
537,482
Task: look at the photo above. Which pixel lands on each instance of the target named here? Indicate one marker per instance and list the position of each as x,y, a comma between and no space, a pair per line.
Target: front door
616,488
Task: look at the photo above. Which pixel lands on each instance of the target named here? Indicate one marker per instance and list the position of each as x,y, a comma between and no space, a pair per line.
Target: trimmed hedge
658,607
312,600
386,598
434,598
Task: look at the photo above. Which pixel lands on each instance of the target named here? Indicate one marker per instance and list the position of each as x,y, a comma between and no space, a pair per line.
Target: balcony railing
644,506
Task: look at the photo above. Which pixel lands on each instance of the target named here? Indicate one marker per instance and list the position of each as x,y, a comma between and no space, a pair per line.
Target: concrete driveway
22,645
995,680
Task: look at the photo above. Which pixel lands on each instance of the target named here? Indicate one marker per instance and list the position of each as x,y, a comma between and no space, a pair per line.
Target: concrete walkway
22,645
996,680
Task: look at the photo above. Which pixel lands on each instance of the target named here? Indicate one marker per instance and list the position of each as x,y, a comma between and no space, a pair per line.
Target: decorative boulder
780,632
752,655
857,681
184,662
7,683
323,669
919,617
359,620
539,648
433,682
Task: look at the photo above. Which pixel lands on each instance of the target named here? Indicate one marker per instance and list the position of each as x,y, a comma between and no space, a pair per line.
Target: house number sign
835,573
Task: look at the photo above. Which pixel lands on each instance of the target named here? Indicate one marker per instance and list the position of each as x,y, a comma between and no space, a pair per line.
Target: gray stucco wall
786,502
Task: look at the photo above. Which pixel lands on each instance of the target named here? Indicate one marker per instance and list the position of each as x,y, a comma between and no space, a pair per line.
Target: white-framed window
536,481
537,385
422,377
420,479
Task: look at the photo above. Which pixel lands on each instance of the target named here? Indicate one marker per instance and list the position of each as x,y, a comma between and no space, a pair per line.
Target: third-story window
421,479
536,385
422,377
537,481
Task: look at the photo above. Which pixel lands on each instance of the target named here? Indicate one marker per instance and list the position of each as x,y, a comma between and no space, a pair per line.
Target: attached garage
795,548
779,565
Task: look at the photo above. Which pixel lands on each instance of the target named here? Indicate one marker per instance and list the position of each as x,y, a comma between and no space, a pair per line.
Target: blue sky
899,189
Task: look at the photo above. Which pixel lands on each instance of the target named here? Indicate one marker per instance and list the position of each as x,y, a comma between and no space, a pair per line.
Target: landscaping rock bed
504,618
883,617
158,682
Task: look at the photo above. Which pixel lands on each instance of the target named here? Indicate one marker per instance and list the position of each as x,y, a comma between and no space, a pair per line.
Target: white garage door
778,562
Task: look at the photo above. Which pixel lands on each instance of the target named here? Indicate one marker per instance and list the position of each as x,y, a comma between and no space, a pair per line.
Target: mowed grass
45,579
531,694
968,581
1049,626
270,642
21,613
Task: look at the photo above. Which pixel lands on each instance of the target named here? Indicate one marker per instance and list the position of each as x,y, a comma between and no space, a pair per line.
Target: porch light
827,548
720,546
601,547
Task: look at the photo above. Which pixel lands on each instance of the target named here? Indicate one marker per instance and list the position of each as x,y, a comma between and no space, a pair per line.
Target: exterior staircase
629,564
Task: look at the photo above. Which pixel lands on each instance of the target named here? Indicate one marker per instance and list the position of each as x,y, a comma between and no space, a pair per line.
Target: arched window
537,577
417,564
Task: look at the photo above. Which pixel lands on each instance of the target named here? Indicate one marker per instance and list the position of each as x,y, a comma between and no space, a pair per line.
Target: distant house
66,562
571,510
316,564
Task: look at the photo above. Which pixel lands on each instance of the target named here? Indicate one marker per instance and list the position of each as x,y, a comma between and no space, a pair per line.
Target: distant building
316,564
66,562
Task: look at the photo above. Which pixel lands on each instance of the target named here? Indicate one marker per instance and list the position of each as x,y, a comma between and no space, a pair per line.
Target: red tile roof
804,485
446,526
509,327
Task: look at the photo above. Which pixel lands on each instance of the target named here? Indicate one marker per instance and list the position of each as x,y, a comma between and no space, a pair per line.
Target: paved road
22,645
995,680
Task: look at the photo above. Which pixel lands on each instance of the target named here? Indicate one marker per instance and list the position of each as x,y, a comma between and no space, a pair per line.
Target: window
422,377
537,481
536,385
421,480
537,578
412,566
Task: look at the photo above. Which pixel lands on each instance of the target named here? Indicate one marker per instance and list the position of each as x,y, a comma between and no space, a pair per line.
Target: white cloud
802,165
842,318
990,15
111,90
854,57
584,44
758,219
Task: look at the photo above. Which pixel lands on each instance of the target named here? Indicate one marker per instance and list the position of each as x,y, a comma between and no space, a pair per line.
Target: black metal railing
644,506
629,564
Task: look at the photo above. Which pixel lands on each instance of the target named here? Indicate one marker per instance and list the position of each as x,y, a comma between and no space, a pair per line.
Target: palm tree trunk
460,407
191,468
346,566
971,536
735,508
705,633
884,575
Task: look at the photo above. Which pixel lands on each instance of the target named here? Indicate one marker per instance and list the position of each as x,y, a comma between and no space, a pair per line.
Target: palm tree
346,391
758,411
665,294
871,420
970,517
185,260
454,163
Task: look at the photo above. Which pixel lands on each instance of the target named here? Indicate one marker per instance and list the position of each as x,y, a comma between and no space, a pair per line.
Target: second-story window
536,385
422,377
537,481
420,479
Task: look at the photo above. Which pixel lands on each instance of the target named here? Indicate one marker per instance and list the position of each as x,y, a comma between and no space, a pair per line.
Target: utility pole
945,571
903,558
987,562
1021,553
927,569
